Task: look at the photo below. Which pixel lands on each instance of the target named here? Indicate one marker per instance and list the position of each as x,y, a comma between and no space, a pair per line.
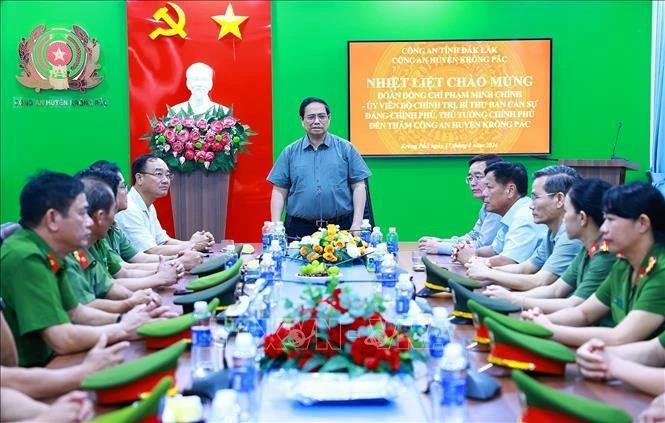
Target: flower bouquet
208,141
330,246
333,330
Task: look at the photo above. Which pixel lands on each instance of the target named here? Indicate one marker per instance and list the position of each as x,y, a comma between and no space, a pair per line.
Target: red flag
242,79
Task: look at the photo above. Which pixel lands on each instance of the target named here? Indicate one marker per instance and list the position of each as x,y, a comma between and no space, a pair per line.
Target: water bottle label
278,264
265,240
268,276
201,337
243,379
436,343
454,388
393,247
371,265
402,305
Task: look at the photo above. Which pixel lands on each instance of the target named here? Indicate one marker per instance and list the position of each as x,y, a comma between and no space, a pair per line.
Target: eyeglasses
475,176
312,118
159,175
535,197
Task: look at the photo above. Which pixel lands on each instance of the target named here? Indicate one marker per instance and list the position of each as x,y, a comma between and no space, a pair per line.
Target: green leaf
355,371
315,361
336,363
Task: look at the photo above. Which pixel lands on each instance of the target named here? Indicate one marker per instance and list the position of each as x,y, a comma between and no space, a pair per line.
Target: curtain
657,94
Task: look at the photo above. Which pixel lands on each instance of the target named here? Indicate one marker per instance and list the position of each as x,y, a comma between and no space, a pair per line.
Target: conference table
506,407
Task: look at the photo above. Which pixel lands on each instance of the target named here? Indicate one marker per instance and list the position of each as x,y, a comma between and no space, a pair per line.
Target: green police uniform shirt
588,270
120,245
36,291
648,294
88,277
661,339
101,252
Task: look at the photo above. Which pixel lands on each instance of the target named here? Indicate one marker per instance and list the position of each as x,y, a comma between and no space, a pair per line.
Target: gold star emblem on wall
229,23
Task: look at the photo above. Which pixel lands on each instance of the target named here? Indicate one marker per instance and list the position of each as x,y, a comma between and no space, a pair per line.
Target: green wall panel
601,72
62,139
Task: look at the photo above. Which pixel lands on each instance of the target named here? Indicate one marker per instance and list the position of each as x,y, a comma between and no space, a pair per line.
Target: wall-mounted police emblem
59,59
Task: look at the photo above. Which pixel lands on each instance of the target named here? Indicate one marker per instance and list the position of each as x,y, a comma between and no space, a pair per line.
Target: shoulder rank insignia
53,262
82,258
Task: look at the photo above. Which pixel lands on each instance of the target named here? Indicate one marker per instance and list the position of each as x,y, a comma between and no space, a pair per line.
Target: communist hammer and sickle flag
175,27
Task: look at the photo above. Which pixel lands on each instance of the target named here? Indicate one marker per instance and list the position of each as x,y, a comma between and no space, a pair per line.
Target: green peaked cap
539,346
541,396
212,265
130,371
464,295
139,411
168,327
523,326
215,264
224,292
437,275
215,278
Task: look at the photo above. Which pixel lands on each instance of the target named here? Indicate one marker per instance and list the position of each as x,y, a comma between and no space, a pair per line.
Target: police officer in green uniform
582,218
88,269
151,272
641,364
41,309
633,293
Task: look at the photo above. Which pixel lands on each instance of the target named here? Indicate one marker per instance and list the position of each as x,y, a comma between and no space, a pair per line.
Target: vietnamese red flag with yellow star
233,38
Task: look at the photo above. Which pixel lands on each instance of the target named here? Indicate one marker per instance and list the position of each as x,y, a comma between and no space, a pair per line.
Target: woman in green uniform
633,294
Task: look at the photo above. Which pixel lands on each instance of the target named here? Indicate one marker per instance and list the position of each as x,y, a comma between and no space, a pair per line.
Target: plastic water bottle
439,333
225,407
277,256
231,256
268,268
453,383
266,235
252,271
376,237
279,234
201,341
365,231
244,377
404,294
374,259
393,241
256,320
388,278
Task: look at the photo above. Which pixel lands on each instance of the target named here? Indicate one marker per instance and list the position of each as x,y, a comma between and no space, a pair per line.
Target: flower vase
199,201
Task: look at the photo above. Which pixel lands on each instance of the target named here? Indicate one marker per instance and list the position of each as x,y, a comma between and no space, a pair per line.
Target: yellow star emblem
229,23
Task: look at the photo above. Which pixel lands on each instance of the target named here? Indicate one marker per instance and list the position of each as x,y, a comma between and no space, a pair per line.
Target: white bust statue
199,83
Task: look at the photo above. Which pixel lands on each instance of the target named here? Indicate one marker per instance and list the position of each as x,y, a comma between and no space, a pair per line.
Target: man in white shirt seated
555,252
486,226
518,237
152,179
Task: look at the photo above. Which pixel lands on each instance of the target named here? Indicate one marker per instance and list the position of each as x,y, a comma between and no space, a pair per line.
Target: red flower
273,346
182,135
160,127
170,135
202,123
337,334
229,121
403,343
194,135
209,156
177,146
391,331
189,122
216,146
391,355
362,348
216,126
189,154
372,363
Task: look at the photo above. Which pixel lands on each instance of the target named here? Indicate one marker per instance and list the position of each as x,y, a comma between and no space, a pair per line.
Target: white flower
352,250
306,240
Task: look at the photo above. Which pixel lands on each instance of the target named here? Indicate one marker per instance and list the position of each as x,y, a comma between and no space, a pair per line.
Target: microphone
616,141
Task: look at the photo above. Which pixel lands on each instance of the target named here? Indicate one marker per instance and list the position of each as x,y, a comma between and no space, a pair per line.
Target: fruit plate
321,280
